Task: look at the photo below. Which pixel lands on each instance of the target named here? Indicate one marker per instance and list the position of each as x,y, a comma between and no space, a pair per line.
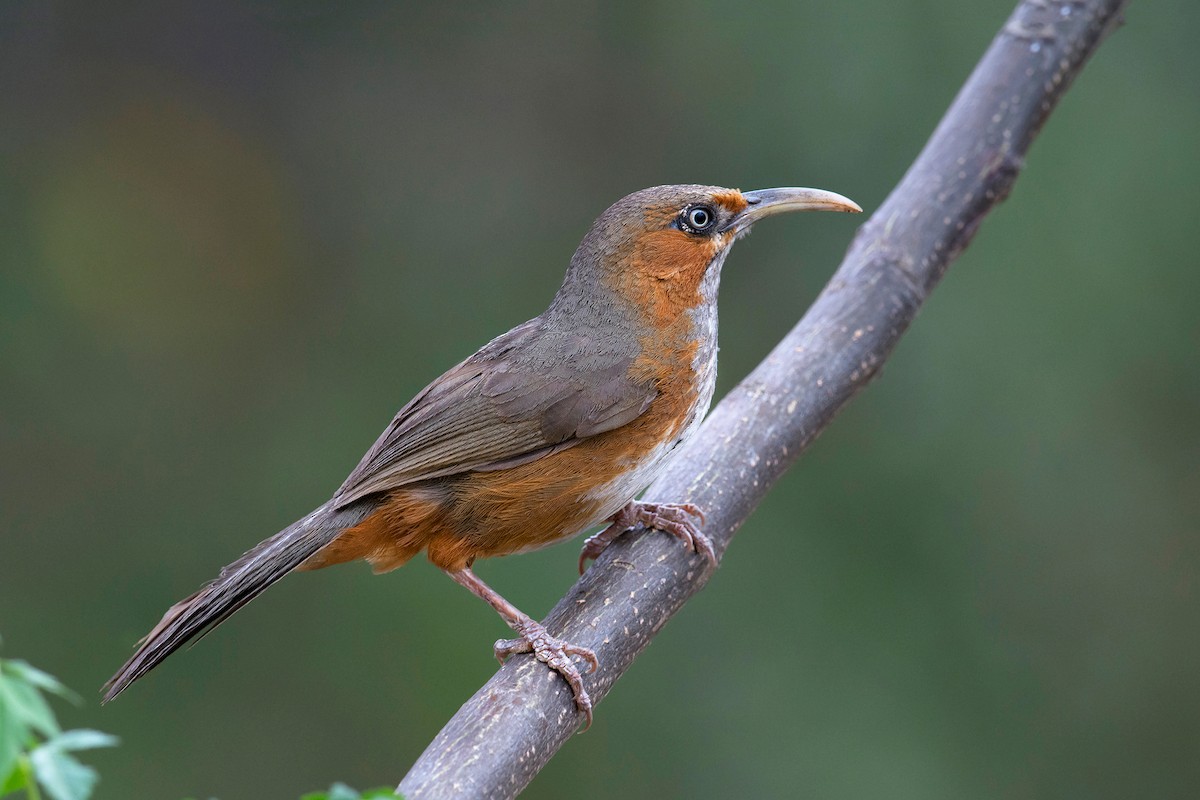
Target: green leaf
61,774
22,706
14,732
39,679
82,739
316,796
340,791
17,779
13,735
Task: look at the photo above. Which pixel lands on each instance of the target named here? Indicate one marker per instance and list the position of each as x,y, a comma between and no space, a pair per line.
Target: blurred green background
236,237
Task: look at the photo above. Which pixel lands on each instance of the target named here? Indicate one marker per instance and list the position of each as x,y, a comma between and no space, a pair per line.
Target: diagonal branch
503,736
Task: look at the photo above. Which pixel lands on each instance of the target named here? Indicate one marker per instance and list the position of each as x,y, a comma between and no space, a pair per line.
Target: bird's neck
657,280
662,314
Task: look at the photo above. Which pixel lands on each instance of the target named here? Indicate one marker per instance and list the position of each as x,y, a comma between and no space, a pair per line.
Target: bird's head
664,246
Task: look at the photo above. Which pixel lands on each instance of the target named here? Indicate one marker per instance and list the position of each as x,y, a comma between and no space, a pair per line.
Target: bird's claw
555,654
672,518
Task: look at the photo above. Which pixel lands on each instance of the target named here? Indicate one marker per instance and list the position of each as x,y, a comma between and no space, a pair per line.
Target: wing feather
523,396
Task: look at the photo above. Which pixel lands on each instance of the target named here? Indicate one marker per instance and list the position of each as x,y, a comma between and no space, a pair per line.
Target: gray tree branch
503,736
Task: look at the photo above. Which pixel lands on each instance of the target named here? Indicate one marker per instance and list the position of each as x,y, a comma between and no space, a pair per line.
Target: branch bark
503,736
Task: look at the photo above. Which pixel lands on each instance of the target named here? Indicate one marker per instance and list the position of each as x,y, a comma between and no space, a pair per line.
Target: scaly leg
666,517
550,650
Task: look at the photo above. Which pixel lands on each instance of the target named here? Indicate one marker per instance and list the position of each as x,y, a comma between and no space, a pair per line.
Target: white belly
614,494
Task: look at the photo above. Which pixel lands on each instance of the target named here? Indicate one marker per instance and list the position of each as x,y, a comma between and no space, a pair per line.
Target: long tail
238,584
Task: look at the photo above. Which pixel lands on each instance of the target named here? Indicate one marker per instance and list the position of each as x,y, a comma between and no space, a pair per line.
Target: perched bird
550,429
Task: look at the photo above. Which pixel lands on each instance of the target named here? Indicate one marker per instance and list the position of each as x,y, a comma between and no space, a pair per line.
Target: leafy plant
35,753
340,791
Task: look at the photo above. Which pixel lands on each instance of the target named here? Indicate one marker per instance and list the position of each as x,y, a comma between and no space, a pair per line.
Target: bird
548,431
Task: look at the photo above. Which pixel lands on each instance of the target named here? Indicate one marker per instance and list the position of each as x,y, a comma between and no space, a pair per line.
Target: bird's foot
555,654
672,518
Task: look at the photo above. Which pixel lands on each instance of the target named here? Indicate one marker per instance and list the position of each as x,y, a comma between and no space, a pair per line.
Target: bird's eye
697,219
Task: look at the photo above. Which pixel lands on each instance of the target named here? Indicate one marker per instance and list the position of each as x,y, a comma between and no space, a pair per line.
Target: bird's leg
675,519
550,650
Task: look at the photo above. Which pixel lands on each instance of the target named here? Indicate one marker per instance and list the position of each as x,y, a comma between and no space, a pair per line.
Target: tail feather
237,584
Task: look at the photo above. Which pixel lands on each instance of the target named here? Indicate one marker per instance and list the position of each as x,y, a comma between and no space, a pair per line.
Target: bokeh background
236,237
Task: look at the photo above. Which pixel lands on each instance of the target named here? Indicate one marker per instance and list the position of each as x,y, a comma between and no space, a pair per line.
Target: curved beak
766,202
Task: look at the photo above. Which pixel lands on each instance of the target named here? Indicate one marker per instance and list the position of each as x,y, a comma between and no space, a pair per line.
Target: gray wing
525,395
